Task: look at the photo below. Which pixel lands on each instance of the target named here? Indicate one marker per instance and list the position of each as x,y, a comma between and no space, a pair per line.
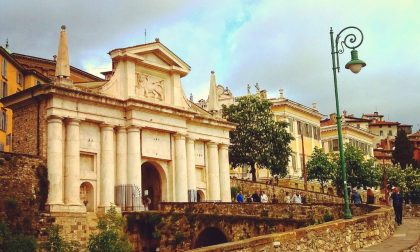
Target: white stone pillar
224,173
192,186
55,161
107,176
181,187
72,163
134,157
121,156
213,188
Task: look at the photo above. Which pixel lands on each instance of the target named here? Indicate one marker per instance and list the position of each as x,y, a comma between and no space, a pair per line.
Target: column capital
190,138
72,121
180,136
212,144
105,126
133,128
54,118
223,146
121,129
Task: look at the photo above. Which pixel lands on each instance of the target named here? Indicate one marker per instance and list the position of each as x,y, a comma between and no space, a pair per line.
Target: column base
54,208
103,209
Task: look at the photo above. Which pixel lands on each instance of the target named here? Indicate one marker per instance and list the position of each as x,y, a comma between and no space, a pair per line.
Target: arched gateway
210,236
152,178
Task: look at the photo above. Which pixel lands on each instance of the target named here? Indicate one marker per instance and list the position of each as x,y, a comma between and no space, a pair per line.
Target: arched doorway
210,236
151,183
87,196
200,196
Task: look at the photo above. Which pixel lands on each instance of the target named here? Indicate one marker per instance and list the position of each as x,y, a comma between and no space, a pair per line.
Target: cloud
279,44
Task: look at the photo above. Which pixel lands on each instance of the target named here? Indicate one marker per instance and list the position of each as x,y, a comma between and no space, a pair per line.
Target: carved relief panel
199,153
150,86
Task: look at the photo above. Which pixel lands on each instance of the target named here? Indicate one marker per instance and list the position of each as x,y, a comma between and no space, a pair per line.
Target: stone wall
412,210
312,197
20,186
29,129
340,235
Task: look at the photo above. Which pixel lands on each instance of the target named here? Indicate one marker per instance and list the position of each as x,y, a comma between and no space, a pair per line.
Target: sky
278,44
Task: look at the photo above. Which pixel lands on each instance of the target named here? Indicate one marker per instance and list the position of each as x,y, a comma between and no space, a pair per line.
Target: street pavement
404,237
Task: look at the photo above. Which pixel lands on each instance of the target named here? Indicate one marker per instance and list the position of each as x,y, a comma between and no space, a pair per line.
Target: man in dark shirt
397,203
256,197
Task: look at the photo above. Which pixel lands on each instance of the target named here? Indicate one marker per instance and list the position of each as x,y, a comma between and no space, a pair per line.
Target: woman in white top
264,198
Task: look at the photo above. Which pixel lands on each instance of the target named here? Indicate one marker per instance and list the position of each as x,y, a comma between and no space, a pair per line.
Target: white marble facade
100,134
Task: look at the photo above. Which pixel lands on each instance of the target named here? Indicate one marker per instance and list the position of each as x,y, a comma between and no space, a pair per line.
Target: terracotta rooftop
384,123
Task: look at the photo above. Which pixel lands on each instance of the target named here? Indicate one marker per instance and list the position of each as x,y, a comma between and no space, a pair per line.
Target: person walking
355,197
297,198
287,198
256,197
240,197
264,197
397,203
370,196
274,200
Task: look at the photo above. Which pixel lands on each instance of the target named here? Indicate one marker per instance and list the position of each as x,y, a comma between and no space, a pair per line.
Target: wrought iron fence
128,198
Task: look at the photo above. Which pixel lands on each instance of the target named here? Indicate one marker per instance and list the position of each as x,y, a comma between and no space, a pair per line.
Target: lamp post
351,41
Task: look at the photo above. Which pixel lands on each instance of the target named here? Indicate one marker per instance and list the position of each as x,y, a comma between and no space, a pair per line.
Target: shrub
111,236
15,242
56,243
234,190
328,217
179,237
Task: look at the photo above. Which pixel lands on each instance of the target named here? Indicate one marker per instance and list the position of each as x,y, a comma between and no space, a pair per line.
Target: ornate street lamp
351,41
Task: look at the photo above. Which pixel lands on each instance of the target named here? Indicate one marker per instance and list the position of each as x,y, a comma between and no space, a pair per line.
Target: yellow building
355,131
19,72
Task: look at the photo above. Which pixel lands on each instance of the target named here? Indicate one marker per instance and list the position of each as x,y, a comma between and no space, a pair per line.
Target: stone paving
405,236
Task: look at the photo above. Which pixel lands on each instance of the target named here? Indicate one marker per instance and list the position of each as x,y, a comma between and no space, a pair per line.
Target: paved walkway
404,237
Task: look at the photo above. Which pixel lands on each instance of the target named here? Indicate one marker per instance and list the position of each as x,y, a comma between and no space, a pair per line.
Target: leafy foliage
403,151
10,242
43,183
408,180
56,243
258,138
360,172
321,168
111,236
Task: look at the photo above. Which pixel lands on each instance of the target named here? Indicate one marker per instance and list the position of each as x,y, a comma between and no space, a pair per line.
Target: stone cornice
347,126
298,106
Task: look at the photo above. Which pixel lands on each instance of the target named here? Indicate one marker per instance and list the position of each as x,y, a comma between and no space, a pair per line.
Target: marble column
133,157
224,175
72,163
107,176
55,161
181,187
213,187
192,186
121,156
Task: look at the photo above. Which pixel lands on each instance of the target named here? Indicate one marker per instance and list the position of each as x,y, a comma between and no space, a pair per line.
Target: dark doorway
151,183
200,196
210,236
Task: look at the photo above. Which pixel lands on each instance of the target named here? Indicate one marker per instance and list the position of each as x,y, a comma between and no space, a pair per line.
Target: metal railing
128,198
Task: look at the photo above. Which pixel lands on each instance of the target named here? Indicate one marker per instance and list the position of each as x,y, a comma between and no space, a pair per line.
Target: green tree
321,168
56,243
258,138
403,151
111,236
360,172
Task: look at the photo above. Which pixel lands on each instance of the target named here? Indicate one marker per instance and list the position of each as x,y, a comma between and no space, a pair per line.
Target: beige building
355,131
131,136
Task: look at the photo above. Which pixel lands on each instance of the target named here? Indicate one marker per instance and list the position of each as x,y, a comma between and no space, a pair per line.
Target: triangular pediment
154,54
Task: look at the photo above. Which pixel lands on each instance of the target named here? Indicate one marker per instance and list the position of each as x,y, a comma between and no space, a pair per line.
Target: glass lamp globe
355,65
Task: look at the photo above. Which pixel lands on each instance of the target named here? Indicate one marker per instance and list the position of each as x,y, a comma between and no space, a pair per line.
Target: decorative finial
7,43
314,105
55,57
191,97
281,93
249,88
212,71
157,40
63,27
257,87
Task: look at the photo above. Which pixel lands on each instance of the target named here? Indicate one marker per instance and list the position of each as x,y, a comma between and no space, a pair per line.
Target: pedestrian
297,198
240,197
274,200
355,197
264,197
248,198
397,203
370,196
256,197
146,202
287,198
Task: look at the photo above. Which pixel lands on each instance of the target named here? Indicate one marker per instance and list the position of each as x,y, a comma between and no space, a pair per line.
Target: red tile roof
383,123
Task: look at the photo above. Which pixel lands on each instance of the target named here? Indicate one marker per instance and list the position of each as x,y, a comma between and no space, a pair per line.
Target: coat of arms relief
149,86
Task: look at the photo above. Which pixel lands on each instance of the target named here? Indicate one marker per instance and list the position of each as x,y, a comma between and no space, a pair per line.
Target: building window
294,162
1,147
4,89
9,139
381,133
335,144
291,126
3,121
3,67
390,133
299,127
19,78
